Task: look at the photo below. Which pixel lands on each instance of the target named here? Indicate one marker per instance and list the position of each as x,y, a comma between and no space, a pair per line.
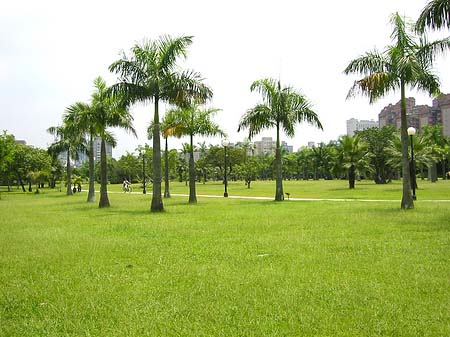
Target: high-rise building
419,116
267,146
359,125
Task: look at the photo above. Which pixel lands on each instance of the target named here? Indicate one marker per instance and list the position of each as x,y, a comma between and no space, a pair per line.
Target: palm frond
435,15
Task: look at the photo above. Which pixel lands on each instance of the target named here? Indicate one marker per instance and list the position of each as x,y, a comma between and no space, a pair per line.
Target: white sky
51,51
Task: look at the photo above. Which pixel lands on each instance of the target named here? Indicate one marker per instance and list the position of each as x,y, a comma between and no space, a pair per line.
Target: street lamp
143,171
411,132
225,144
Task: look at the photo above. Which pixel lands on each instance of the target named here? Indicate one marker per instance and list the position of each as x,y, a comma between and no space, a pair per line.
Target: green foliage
378,141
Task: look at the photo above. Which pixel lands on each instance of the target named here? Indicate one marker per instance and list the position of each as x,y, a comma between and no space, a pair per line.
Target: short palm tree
353,156
151,75
69,140
405,63
282,108
81,115
435,15
192,120
109,110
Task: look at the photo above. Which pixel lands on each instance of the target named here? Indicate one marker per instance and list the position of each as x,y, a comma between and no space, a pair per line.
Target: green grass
226,267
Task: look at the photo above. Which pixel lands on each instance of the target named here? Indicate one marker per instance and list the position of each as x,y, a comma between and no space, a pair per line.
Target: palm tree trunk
69,175
432,172
351,177
407,200
157,203
279,196
166,171
192,194
104,201
91,193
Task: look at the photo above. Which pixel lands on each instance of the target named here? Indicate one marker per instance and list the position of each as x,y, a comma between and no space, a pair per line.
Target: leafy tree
151,75
192,120
378,141
7,144
407,62
435,15
282,108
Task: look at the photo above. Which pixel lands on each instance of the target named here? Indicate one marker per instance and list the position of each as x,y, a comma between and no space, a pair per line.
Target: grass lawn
227,267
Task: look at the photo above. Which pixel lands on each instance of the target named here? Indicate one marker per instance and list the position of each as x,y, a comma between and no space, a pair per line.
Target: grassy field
227,267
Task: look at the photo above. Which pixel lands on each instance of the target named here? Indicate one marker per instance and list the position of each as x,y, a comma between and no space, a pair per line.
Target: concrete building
419,116
267,146
359,125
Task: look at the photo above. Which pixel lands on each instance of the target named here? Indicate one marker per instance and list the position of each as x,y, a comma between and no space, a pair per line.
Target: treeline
371,154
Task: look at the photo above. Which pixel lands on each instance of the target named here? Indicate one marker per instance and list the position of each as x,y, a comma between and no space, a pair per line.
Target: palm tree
70,141
353,155
193,121
435,141
81,115
151,75
109,110
405,63
282,108
167,130
435,15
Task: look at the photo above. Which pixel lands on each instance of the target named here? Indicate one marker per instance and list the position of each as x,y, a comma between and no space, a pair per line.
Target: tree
151,75
82,116
378,141
282,108
435,15
406,63
109,110
435,141
68,139
192,120
353,154
167,129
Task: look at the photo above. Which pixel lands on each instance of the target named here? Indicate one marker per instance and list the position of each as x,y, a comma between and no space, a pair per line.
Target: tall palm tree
81,115
167,129
435,15
353,155
405,63
109,110
192,120
282,108
68,139
151,75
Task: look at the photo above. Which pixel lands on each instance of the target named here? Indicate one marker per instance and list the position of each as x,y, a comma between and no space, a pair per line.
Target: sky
51,51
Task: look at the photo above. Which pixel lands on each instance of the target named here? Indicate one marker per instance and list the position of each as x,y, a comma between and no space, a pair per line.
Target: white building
359,125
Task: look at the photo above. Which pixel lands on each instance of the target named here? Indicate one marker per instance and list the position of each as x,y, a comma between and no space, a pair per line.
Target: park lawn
223,267
365,189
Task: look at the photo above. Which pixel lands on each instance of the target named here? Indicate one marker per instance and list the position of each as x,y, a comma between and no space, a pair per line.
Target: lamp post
225,144
143,171
411,132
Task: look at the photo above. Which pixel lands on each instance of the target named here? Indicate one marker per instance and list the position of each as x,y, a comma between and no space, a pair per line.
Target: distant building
419,116
83,156
267,146
311,145
359,125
